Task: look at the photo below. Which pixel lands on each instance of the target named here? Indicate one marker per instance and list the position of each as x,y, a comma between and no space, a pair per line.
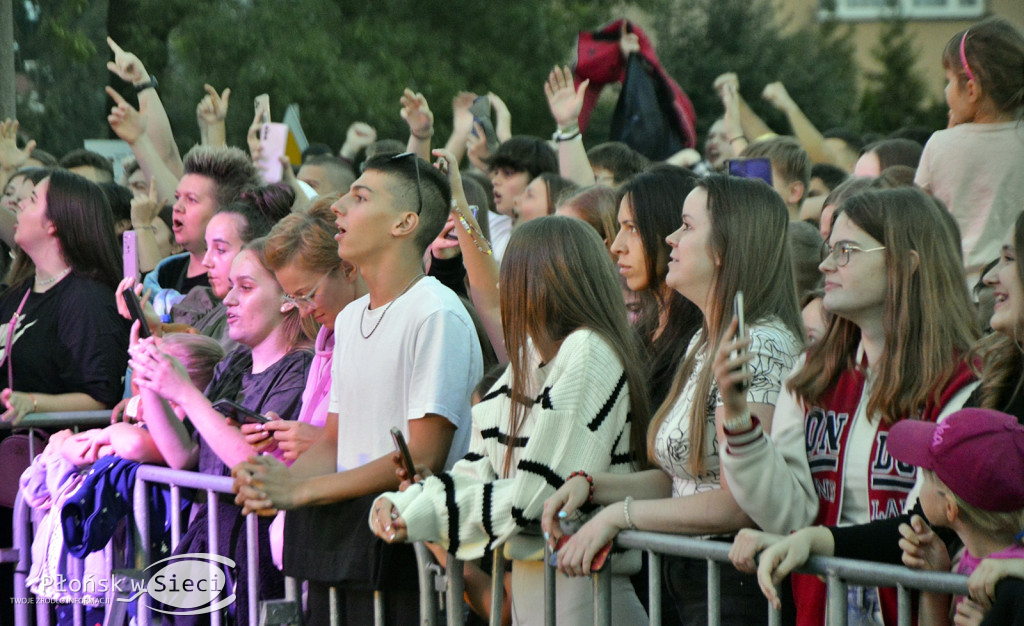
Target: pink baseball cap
977,453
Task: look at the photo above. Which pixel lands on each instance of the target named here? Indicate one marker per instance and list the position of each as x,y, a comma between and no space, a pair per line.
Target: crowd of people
759,345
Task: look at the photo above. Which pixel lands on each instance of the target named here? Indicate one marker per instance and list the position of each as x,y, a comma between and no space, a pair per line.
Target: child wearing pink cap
973,466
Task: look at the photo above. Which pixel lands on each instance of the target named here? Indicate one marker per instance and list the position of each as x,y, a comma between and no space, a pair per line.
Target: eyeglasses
306,301
416,162
841,252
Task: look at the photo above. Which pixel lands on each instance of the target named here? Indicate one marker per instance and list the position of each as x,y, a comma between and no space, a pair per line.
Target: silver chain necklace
52,279
380,319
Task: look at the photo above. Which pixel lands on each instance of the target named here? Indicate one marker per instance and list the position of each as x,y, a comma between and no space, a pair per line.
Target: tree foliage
894,97
341,61
701,39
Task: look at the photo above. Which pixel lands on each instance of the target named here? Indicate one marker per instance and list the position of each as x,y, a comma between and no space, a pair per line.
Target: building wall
930,36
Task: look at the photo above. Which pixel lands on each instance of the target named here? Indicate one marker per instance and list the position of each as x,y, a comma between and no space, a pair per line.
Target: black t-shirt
68,339
278,388
174,275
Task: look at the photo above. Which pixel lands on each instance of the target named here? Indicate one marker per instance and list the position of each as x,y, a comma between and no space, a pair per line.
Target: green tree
57,49
894,97
701,39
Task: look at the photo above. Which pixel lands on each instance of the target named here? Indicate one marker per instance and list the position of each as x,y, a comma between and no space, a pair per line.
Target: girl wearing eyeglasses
894,348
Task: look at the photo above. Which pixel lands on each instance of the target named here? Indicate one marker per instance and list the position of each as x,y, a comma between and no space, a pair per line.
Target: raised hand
126,65
628,42
213,108
502,117
126,122
776,94
462,119
12,158
564,100
416,113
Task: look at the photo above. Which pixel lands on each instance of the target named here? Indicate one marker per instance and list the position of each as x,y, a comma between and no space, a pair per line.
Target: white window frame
953,9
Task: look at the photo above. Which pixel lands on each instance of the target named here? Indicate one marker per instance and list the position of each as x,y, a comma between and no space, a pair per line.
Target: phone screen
741,331
132,302
760,169
403,449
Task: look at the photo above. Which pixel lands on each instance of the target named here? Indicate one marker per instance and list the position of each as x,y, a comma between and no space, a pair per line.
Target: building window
910,9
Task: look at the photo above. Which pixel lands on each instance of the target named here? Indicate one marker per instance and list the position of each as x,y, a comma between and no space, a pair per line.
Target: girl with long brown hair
896,347
732,239
572,398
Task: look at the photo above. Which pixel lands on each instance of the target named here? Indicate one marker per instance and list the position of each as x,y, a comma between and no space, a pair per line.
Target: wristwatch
152,82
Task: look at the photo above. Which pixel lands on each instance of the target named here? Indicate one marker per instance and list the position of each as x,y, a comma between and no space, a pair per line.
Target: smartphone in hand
741,332
273,141
239,413
403,450
135,308
130,250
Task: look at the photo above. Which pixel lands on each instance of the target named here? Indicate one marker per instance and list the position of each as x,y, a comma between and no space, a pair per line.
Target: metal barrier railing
213,486
838,573
68,419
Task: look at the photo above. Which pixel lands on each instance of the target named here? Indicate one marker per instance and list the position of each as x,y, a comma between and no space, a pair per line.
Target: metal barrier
838,573
68,419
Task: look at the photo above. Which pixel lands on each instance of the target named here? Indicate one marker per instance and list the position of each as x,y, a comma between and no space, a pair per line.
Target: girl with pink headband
974,165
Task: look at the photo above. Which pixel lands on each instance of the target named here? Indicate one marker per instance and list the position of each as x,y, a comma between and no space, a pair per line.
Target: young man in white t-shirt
406,355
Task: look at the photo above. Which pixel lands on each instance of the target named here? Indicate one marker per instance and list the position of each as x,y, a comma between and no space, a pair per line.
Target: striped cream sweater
579,421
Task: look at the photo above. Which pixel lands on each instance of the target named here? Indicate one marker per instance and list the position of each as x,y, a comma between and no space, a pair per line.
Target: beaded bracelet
485,246
590,480
625,513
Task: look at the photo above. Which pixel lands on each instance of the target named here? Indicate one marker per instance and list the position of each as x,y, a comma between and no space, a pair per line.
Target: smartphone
261,104
239,413
596,565
273,141
135,308
760,169
399,439
130,250
741,332
481,110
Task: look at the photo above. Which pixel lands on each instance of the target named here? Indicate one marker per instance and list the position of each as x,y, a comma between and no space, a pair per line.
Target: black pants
686,586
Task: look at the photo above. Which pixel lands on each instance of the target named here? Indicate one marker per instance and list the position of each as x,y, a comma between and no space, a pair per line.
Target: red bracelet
590,480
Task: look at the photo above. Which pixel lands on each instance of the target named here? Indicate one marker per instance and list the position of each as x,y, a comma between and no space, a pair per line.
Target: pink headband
963,56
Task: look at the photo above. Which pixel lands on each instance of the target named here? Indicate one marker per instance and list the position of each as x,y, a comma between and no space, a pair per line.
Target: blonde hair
294,329
992,523
198,353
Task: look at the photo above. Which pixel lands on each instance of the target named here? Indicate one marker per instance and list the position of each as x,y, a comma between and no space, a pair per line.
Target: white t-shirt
501,231
423,358
775,350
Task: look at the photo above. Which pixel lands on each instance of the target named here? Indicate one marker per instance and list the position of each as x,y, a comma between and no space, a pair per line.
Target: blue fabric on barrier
91,515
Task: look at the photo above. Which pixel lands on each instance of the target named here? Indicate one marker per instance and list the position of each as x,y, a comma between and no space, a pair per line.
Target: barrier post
837,601
549,588
428,595
456,589
714,593
654,587
903,619
213,540
252,557
603,596
774,615
497,586
143,558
